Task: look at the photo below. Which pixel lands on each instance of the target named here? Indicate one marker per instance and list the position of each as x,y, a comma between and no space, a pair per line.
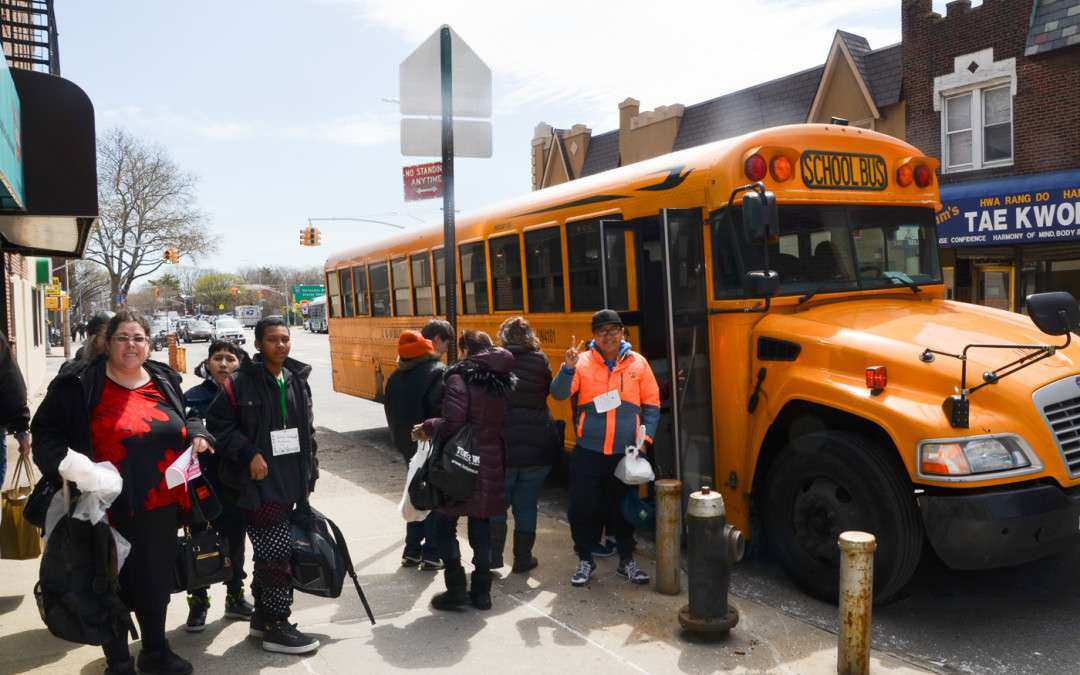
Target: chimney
957,7
541,141
628,110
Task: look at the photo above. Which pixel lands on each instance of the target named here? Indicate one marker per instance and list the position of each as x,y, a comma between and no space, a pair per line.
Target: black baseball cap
606,317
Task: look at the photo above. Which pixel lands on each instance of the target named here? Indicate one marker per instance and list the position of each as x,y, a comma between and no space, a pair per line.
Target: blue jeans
523,487
422,531
479,540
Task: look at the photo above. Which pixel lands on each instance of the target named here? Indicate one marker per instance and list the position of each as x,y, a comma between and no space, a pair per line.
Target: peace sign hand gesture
570,359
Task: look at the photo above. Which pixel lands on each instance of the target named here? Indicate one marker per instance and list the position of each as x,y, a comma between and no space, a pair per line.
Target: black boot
498,543
455,596
480,593
523,557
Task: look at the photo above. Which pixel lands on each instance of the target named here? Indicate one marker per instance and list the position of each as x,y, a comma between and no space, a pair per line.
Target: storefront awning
1040,208
58,148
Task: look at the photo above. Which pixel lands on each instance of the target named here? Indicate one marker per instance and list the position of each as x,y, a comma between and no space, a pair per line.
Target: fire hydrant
712,548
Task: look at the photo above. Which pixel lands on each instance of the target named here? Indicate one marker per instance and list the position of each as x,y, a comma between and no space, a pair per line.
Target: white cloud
590,55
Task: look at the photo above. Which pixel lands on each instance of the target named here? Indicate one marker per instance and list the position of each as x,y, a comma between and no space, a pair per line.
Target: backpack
78,593
320,560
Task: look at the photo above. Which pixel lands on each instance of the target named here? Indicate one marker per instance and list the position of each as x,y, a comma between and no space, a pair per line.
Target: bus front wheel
828,482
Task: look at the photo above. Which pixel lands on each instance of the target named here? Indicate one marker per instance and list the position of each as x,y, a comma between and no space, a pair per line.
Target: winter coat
199,397
63,418
414,393
14,413
476,394
242,424
529,431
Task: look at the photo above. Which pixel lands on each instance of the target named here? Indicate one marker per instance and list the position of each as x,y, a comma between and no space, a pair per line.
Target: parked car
195,331
227,328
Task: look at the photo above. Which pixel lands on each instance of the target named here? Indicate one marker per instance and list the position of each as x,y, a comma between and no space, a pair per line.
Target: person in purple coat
477,389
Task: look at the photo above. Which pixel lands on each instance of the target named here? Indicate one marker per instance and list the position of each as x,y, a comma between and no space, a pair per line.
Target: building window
402,291
473,278
440,281
978,129
543,266
421,277
333,294
380,290
360,284
346,292
506,273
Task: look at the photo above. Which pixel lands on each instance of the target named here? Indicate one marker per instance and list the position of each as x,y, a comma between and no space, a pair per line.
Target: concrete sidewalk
539,623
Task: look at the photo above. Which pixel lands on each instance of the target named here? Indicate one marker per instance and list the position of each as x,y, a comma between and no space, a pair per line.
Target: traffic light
171,255
235,291
157,293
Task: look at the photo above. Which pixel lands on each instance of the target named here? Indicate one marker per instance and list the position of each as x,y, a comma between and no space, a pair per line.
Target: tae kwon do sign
423,181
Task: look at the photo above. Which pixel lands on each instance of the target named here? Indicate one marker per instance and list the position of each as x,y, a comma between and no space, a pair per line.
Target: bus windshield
825,249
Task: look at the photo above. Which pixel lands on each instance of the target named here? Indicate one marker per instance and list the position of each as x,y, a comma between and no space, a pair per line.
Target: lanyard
281,390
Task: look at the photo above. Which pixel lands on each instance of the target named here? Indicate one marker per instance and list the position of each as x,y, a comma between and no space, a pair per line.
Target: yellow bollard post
668,536
856,599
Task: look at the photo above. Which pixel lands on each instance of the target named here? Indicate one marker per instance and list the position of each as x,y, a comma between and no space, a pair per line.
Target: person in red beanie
414,393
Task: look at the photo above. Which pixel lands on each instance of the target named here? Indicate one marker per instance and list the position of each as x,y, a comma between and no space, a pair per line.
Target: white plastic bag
409,512
99,484
634,469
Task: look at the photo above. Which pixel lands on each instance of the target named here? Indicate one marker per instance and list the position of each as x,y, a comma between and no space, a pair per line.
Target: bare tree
147,205
88,283
188,275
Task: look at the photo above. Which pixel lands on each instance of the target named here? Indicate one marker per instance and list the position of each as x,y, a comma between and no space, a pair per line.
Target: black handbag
423,495
37,504
202,555
456,468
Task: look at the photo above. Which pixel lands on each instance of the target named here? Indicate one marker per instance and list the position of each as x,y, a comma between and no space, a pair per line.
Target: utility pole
449,231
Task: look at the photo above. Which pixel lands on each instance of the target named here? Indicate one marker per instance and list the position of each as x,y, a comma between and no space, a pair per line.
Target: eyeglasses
610,331
137,340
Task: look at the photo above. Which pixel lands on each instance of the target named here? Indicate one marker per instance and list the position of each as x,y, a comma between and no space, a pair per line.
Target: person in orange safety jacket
616,393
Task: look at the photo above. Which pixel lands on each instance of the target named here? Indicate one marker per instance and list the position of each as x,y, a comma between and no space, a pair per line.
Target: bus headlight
972,456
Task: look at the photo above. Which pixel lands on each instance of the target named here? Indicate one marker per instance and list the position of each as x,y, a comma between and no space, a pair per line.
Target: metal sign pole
449,233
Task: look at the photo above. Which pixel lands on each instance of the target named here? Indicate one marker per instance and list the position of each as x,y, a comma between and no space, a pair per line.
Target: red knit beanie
412,344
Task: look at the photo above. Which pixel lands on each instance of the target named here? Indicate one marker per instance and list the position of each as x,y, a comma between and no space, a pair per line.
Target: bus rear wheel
828,482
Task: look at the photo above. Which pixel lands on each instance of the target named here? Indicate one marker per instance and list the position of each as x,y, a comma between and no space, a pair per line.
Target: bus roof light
923,176
877,377
904,175
755,167
780,167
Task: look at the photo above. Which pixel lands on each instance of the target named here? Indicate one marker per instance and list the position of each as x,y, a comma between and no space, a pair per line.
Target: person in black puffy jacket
531,443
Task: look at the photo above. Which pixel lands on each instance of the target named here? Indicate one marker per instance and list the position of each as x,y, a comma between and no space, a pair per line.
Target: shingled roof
603,153
1055,24
884,73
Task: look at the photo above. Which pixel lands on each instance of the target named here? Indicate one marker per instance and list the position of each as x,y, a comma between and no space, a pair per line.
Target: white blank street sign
421,80
422,137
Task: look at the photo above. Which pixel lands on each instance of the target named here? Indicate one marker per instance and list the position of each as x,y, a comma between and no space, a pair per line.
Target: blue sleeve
650,417
560,385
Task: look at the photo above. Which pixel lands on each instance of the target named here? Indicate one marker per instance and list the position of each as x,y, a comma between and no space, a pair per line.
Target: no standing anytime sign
423,181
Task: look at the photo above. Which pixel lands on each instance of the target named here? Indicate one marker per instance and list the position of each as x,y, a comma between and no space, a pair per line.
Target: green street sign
307,292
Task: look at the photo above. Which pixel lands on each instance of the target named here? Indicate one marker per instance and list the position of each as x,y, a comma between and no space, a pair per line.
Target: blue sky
277,105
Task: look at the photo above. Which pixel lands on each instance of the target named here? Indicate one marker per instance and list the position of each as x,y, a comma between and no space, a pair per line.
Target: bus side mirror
760,216
763,283
1054,313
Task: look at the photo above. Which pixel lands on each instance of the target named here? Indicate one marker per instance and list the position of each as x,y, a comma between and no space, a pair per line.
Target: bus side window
586,277
421,279
543,265
402,291
440,281
333,294
506,273
360,286
346,292
473,278
727,282
380,289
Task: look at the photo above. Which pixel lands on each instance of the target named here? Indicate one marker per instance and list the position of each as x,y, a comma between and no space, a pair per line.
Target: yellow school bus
831,388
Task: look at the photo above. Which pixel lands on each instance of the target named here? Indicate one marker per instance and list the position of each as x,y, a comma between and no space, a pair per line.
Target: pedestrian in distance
531,441
95,338
441,334
128,410
477,388
414,393
265,433
616,392
14,412
222,360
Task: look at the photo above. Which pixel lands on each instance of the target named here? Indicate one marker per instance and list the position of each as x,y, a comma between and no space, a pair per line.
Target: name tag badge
285,441
607,401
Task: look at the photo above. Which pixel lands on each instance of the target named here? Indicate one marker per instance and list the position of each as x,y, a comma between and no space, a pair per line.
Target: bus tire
828,482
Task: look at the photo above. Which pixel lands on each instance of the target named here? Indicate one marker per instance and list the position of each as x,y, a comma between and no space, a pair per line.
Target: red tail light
923,175
904,175
755,167
877,377
780,167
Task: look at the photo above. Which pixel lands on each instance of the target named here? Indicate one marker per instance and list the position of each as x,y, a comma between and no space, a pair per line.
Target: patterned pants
271,542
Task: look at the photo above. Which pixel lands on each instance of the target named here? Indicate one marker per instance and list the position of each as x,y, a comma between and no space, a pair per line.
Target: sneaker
283,638
257,628
430,565
604,549
238,608
196,618
632,573
585,569
408,560
163,661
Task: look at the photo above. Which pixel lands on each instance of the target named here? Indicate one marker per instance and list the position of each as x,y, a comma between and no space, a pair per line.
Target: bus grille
1059,404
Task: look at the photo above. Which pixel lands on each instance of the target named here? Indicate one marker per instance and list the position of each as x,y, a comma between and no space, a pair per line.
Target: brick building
991,90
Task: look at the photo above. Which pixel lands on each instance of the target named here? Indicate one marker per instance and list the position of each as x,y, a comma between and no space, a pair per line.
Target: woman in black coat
530,438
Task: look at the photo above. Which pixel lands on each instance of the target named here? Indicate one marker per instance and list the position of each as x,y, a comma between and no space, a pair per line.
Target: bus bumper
1001,528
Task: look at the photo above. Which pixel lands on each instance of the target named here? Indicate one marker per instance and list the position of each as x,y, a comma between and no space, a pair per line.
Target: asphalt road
1015,620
